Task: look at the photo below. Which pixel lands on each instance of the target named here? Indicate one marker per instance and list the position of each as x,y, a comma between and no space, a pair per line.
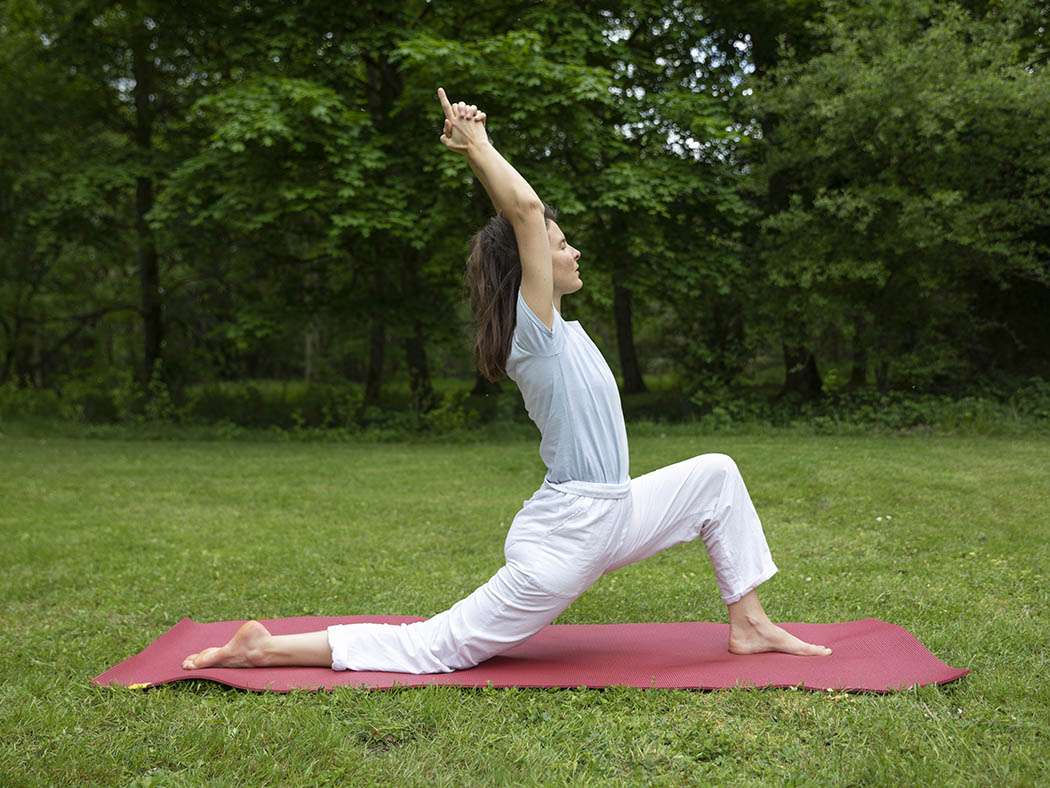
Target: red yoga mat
868,655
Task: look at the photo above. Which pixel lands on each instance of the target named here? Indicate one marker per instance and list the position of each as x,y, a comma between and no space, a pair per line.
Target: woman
588,517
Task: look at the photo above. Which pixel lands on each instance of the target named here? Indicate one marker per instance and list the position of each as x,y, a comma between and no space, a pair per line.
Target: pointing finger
444,104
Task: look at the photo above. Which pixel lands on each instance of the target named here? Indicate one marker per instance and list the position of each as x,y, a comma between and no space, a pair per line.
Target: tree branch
86,317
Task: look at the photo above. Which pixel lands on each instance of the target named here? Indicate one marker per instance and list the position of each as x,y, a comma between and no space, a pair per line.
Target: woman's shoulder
534,337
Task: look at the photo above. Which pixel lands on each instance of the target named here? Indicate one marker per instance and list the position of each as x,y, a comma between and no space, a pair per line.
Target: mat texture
868,655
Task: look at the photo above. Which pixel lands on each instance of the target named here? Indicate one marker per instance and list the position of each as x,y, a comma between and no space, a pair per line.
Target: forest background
240,213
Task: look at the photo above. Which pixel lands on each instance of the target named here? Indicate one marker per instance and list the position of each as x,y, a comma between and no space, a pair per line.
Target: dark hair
493,277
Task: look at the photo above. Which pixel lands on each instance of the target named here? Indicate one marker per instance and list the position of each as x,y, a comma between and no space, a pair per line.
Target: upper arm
537,271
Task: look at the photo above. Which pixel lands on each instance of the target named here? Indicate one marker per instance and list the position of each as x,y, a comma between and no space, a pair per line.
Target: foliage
985,409
337,412
864,181
918,181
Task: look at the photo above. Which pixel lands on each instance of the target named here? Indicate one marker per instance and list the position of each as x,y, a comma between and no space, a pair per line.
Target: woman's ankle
749,621
747,612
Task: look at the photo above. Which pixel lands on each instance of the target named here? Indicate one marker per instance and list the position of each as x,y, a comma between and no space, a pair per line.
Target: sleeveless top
571,395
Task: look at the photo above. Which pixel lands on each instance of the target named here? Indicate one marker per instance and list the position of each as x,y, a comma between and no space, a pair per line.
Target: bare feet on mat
245,650
767,636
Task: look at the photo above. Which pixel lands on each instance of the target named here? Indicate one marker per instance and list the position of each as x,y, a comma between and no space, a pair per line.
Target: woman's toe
206,658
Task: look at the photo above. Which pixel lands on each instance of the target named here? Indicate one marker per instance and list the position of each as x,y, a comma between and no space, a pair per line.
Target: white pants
557,546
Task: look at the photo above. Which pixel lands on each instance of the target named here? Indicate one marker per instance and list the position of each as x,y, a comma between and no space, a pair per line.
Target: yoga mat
868,655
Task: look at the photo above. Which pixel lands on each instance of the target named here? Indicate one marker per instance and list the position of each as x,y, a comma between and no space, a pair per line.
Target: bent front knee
714,462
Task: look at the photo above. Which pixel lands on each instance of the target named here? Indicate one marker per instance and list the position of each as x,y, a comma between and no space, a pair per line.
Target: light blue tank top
571,395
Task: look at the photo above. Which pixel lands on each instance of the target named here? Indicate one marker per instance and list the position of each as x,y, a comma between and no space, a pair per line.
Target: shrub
18,402
657,406
288,407
454,413
91,400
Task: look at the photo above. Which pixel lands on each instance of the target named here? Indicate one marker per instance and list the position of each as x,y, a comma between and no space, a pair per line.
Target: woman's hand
464,125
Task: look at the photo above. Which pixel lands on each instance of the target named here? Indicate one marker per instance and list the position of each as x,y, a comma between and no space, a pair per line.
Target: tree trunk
858,376
146,253
632,374
483,387
882,375
727,324
424,398
9,358
801,376
108,344
36,368
12,345
800,367
374,376
384,86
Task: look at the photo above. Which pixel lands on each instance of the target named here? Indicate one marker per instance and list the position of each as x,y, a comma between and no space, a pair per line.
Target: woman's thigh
504,611
563,542
671,505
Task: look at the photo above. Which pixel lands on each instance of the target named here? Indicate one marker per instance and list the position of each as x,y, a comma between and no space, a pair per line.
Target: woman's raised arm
512,196
465,134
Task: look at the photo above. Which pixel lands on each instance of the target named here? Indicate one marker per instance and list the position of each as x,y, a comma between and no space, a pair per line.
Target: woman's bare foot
246,649
767,636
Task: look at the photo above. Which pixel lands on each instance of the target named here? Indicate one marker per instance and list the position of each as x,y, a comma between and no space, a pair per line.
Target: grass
109,543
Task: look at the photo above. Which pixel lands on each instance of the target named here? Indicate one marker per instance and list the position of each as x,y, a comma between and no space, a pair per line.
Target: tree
917,147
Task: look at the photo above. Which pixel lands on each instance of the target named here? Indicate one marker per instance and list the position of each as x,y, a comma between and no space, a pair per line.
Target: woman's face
565,259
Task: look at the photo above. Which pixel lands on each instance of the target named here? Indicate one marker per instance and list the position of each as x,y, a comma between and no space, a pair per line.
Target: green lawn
108,543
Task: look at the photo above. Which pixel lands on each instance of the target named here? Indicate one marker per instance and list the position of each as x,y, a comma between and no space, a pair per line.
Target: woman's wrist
478,147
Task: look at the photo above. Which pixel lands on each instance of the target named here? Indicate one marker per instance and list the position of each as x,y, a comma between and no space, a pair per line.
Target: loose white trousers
558,545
